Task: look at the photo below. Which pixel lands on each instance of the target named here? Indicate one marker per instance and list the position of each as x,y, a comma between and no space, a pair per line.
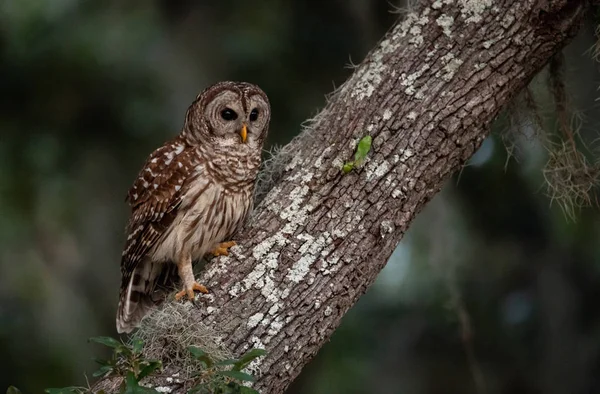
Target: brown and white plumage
193,193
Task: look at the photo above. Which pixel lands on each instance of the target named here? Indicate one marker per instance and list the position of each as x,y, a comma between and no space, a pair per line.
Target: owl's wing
154,199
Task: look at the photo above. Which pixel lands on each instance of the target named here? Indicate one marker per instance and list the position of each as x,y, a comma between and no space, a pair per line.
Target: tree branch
426,94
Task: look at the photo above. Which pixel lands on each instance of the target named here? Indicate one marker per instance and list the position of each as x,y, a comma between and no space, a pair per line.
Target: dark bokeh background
89,89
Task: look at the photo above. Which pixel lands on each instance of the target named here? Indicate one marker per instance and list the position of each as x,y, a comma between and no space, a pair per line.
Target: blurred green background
89,89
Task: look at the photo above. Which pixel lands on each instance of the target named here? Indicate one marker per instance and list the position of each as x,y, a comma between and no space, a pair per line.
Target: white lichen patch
296,212
328,311
297,159
429,55
437,4
387,114
369,81
445,22
412,115
338,162
273,310
339,233
163,389
397,193
275,327
410,21
371,73
405,154
472,10
409,80
310,251
255,319
386,227
377,170
319,162
451,66
257,343
261,250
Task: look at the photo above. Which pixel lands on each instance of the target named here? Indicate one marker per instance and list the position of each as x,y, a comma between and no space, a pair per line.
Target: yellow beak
244,132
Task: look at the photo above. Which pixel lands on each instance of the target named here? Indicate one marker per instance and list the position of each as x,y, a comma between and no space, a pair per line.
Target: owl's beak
244,132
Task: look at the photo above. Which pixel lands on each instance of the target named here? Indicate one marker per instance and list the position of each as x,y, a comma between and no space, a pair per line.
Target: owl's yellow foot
221,250
190,292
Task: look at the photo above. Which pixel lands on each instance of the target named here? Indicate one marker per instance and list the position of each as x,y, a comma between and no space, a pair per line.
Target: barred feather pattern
192,193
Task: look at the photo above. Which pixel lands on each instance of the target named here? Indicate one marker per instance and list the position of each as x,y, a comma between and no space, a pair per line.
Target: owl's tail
141,291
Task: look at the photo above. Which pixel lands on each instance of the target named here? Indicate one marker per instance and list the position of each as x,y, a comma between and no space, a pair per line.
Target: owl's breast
210,213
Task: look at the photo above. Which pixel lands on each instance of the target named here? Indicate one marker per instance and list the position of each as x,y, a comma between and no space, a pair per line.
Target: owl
191,196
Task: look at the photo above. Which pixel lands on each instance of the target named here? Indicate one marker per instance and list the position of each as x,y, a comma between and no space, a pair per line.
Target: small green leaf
13,390
103,371
229,361
248,357
230,388
132,386
148,369
252,354
130,381
103,362
106,341
363,148
196,351
238,375
137,345
201,356
349,166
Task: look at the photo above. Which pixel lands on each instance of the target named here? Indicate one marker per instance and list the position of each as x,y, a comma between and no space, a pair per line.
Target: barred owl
191,196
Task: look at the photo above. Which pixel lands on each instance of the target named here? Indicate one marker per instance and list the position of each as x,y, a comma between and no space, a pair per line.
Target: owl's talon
198,287
190,292
221,249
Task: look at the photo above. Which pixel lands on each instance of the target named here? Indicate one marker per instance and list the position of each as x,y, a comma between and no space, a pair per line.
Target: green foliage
362,150
216,379
126,361
131,386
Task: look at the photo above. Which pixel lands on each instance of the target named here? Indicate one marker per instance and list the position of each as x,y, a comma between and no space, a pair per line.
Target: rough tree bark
426,94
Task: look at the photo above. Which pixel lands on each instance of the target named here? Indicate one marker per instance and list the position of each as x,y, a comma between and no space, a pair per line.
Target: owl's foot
221,250
190,292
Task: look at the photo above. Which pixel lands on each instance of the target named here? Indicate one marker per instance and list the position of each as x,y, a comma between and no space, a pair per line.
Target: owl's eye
253,114
228,114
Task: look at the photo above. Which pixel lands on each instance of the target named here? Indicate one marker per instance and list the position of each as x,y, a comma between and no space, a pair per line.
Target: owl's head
229,114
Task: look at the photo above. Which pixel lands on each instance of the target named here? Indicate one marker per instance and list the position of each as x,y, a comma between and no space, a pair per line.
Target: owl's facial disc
257,115
230,114
225,116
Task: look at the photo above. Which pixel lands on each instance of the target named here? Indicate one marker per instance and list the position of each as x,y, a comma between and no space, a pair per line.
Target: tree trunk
427,95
